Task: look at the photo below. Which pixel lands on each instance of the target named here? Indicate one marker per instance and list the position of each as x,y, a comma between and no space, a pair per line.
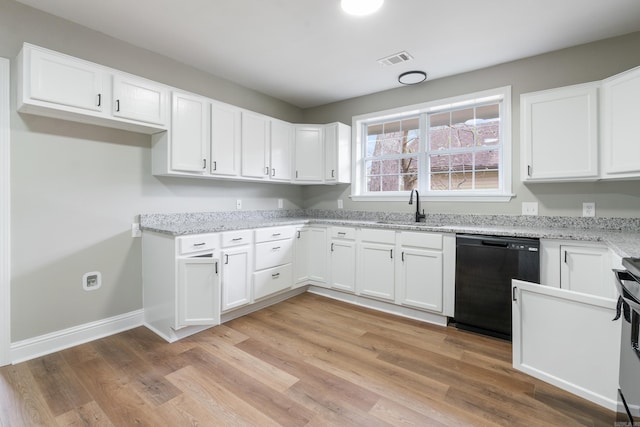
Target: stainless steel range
628,284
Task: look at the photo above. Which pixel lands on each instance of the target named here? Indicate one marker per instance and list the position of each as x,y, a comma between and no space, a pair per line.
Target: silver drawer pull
275,234
199,244
275,275
341,233
237,239
276,248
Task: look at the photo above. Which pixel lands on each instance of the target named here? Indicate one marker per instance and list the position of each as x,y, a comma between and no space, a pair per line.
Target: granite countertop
620,234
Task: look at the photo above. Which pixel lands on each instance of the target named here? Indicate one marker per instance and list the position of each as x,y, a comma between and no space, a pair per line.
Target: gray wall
585,63
76,189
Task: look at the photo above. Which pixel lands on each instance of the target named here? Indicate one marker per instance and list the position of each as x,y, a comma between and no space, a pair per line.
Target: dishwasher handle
497,243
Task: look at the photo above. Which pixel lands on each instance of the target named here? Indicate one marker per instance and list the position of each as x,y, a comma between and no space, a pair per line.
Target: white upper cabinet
63,80
337,151
559,133
620,112
189,133
255,145
139,99
309,154
61,86
225,139
281,146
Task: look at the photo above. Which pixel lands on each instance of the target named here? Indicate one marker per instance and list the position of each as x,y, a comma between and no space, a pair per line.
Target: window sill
434,198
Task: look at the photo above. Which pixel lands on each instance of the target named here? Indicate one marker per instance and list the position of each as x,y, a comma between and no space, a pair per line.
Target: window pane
390,167
439,163
487,180
373,167
408,182
439,182
488,125
487,159
373,183
462,162
439,131
390,183
463,128
462,180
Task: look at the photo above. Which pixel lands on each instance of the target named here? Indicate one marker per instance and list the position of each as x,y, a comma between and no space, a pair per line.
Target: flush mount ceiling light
412,77
361,7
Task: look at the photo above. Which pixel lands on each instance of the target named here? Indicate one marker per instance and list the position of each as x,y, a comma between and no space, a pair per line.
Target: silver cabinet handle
237,239
275,234
199,244
275,275
276,248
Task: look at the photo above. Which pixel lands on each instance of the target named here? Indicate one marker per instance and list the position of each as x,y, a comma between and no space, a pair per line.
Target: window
454,149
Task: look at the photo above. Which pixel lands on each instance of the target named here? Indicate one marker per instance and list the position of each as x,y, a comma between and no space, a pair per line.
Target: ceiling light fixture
361,7
412,77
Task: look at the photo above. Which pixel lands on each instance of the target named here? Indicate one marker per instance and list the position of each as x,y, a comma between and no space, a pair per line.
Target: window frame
503,194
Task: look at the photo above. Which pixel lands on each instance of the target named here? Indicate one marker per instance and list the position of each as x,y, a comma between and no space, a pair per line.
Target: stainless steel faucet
419,215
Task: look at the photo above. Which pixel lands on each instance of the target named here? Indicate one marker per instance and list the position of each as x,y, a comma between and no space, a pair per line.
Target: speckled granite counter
620,234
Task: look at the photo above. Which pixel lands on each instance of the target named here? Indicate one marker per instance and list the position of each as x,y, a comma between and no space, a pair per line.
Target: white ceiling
309,53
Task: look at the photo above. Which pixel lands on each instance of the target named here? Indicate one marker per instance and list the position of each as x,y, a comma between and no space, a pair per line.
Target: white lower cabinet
568,339
272,280
198,292
421,271
236,257
376,264
342,259
311,256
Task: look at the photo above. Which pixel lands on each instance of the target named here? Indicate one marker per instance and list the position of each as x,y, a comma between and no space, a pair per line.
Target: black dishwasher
485,266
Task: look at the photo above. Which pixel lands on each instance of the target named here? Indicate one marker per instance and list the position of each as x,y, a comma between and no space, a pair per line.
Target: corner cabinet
559,134
61,86
620,112
308,154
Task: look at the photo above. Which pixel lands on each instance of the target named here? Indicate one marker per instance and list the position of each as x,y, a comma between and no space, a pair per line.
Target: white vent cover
396,58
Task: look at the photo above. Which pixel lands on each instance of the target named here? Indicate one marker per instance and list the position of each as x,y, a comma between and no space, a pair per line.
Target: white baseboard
60,340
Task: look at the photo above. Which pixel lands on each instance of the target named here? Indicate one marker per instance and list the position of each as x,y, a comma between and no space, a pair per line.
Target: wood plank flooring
308,361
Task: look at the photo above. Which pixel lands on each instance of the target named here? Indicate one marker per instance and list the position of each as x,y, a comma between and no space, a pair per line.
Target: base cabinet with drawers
273,261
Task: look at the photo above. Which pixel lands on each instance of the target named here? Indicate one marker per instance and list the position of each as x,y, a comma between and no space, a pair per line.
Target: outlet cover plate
589,209
529,208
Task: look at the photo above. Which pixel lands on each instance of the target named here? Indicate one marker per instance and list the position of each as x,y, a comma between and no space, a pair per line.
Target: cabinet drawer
267,282
379,236
271,254
422,240
274,233
198,243
235,238
343,233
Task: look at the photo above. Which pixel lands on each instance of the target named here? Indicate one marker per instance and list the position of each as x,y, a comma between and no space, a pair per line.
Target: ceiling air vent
396,58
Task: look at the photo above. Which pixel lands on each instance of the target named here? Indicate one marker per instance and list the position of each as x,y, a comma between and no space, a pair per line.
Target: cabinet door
281,146
309,153
66,81
421,278
236,279
301,256
560,134
198,292
225,140
337,150
188,133
621,144
587,269
139,99
317,264
567,339
376,276
255,146
343,265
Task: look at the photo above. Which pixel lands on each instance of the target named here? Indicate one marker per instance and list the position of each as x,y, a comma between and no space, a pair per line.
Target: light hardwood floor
308,361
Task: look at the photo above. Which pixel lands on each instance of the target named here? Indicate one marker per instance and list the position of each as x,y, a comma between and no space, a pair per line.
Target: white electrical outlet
340,204
589,209
135,230
238,204
280,203
529,208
